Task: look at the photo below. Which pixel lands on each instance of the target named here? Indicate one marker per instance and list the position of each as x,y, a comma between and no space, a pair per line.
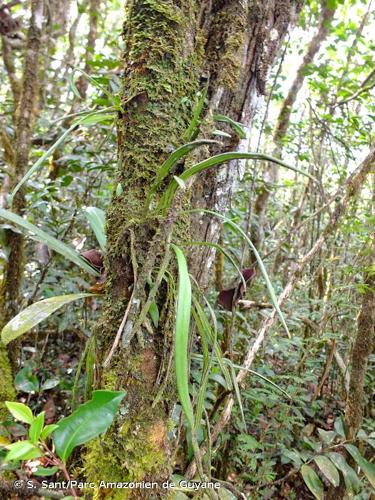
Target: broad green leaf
312,481
89,421
48,429
26,381
182,334
291,455
367,467
36,427
20,412
339,427
58,246
34,314
96,218
328,469
351,479
45,471
22,450
50,383
327,436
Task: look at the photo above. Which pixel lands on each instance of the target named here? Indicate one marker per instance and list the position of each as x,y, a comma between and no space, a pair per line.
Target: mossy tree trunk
172,49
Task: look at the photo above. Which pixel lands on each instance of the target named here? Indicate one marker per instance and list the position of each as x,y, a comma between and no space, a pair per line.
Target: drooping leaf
89,421
182,335
351,479
58,246
34,314
339,427
20,411
83,120
96,218
367,467
328,469
327,436
235,125
217,160
312,481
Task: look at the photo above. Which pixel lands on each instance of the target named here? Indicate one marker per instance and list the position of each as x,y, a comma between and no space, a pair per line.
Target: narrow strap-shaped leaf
182,334
235,125
262,268
58,246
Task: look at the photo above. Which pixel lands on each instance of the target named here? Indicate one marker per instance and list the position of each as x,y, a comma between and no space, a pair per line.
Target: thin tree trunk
25,117
283,120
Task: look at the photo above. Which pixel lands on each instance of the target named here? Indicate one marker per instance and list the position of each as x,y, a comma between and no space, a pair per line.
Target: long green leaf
328,469
219,159
351,479
96,218
171,161
182,335
262,268
367,467
312,481
58,246
34,314
87,422
60,140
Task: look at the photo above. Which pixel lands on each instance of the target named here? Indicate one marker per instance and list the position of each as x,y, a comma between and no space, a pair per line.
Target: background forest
187,249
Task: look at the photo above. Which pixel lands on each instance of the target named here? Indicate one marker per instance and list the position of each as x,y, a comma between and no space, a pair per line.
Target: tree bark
172,48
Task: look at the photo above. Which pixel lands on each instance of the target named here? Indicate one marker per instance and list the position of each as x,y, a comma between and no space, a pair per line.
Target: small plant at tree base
47,448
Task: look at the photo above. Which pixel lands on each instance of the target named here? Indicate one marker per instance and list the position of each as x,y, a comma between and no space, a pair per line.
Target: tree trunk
25,115
172,47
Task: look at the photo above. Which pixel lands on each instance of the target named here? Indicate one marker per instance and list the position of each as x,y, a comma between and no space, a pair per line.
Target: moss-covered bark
171,47
162,64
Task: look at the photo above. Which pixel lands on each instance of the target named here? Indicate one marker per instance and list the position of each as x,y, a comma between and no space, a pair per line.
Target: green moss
7,392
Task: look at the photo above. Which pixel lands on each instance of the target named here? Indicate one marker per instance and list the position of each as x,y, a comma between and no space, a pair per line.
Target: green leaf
367,467
216,160
171,161
351,479
50,151
262,267
50,383
48,429
36,427
20,412
312,481
58,246
235,125
327,436
154,313
45,471
89,421
182,334
26,381
94,118
22,450
96,218
339,427
34,314
328,469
